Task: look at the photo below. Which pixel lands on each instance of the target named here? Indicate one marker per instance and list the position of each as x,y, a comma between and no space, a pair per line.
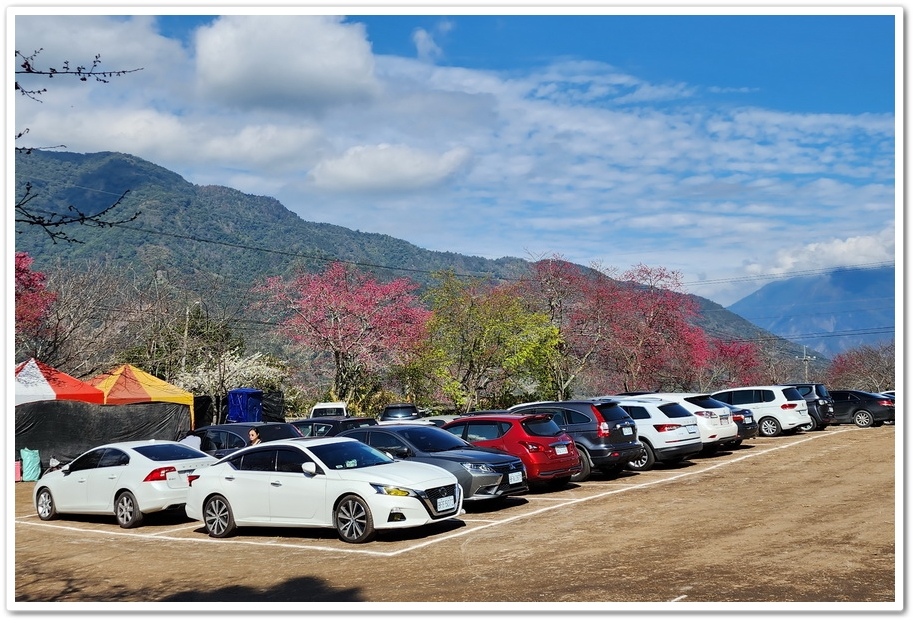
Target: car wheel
585,468
353,520
645,460
810,426
863,419
769,427
218,517
45,506
127,511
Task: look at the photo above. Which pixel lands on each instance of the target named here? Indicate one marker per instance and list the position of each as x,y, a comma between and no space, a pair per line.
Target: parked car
717,428
483,474
667,431
320,482
864,409
779,409
331,425
222,439
604,434
820,405
747,425
324,409
399,411
548,453
128,479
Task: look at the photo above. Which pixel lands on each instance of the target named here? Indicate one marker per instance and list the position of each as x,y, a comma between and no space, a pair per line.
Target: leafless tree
54,222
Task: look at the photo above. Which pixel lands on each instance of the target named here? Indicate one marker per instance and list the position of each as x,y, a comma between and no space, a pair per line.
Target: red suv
549,454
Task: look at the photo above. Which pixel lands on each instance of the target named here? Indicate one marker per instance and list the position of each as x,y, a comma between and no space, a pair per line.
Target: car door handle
276,483
229,477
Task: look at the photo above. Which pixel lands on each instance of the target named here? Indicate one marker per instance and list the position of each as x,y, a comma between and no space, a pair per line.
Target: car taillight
530,446
603,429
711,415
788,406
738,418
886,403
192,478
160,473
666,428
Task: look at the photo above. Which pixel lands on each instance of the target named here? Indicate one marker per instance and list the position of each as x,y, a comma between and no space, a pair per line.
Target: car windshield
170,452
349,455
432,439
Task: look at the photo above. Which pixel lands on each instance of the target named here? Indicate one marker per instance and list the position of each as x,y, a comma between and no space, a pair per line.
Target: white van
324,409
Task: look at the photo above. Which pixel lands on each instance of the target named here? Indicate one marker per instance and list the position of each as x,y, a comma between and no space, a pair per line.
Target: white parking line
485,523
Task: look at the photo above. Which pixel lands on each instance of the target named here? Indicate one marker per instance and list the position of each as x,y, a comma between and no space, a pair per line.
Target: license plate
723,420
627,430
562,450
691,428
515,478
446,503
748,419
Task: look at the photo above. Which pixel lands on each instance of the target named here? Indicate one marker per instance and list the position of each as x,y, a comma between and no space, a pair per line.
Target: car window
674,410
822,391
349,455
791,393
742,397
359,435
636,412
113,458
90,460
456,429
539,427
160,452
290,460
272,432
305,428
348,424
706,402
727,397
236,441
611,412
320,430
384,441
480,431
258,461
574,417
432,439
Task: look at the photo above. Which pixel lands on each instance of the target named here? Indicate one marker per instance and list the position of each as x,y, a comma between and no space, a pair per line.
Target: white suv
714,419
667,431
778,408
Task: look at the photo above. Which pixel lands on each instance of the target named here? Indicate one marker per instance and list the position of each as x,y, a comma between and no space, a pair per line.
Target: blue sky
735,149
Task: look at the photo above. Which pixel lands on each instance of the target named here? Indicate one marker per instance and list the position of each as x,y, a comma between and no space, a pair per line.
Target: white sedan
127,479
332,482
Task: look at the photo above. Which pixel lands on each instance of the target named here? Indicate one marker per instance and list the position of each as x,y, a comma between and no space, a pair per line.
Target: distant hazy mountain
191,234
830,313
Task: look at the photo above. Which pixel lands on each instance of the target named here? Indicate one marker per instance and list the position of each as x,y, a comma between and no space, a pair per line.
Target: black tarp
273,407
65,429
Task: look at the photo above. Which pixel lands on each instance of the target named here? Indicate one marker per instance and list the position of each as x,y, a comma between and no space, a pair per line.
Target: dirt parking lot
805,519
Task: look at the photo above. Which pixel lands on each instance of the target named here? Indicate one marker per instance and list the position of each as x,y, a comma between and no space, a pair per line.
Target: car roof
129,445
729,389
331,418
497,415
304,441
232,425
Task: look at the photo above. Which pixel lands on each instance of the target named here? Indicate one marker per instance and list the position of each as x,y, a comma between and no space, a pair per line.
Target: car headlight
394,490
478,468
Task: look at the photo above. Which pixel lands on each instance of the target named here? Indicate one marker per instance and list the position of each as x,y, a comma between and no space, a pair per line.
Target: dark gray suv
399,411
604,433
820,405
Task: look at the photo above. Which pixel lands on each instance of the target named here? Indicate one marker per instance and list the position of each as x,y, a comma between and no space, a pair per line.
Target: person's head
253,435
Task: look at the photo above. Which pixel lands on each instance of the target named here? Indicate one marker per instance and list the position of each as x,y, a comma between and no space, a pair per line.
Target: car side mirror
309,468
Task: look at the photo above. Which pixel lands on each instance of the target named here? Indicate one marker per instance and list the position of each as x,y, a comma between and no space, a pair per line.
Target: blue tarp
245,405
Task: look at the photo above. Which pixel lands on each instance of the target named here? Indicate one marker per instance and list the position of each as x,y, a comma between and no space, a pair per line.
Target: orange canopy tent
128,385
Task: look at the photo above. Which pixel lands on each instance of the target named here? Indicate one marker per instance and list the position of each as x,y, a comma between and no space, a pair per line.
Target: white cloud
387,168
301,63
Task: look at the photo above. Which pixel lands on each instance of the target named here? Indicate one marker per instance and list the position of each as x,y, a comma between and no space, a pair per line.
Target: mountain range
194,234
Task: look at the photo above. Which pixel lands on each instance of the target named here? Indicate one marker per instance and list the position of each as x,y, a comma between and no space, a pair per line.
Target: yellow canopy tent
128,385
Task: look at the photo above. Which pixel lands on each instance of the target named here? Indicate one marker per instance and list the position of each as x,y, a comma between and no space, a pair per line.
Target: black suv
399,411
820,405
222,439
330,425
604,433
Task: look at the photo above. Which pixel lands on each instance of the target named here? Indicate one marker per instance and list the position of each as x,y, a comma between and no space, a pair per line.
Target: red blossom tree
363,325
730,364
33,302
